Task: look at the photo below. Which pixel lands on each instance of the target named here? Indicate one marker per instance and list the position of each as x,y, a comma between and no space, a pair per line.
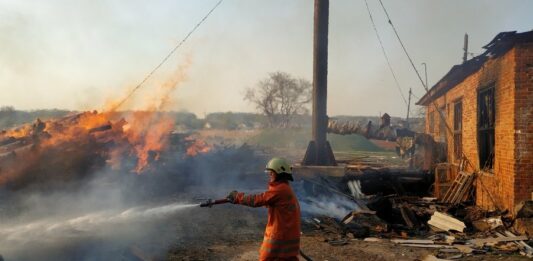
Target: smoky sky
82,54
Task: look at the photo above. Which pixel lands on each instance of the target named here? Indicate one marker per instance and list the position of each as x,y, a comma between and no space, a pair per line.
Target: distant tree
222,120
7,109
187,119
8,117
280,97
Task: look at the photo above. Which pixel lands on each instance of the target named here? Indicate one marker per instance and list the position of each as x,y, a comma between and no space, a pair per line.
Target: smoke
322,201
103,215
336,206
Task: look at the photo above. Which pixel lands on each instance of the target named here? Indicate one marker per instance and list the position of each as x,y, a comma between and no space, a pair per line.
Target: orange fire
198,146
148,133
18,132
142,135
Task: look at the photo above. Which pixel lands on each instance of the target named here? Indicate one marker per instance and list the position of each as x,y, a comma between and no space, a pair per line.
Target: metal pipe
465,49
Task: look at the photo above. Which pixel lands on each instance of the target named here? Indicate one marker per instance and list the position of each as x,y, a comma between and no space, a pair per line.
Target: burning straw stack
74,146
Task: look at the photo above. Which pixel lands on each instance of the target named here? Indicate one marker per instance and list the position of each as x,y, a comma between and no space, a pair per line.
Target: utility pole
465,49
408,108
319,151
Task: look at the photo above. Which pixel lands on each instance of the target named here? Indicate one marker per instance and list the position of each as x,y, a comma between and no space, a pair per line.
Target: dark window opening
486,119
442,125
431,123
458,130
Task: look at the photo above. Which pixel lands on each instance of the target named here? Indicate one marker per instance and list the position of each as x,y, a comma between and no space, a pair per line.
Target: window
486,119
432,122
442,125
458,129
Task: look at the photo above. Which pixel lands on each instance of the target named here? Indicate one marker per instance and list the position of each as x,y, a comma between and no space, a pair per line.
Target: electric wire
138,86
441,115
440,112
384,52
403,46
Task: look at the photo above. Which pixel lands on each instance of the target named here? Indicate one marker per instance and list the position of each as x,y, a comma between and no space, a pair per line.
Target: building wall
494,189
524,123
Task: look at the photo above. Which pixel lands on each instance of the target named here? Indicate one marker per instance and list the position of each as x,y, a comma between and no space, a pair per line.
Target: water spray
71,227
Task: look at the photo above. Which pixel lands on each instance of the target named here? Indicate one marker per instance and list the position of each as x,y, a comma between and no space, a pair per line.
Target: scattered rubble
450,230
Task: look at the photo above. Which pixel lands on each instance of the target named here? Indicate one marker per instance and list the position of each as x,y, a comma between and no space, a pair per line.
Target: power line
385,53
404,49
440,113
166,57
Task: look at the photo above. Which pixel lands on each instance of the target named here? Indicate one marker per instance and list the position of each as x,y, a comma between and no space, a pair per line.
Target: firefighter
282,233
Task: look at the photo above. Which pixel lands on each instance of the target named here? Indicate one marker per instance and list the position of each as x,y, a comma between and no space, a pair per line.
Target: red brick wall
492,189
524,123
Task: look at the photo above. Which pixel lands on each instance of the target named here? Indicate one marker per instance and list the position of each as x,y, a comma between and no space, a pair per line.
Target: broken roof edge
500,45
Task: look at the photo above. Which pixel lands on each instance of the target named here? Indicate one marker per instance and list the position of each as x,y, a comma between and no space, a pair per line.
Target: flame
148,132
139,134
18,132
198,146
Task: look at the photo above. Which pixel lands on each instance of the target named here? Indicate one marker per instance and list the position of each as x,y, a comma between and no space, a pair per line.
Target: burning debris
79,144
198,146
89,206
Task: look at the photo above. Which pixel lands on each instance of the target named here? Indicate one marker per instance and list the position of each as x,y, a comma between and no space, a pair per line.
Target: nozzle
207,203
210,202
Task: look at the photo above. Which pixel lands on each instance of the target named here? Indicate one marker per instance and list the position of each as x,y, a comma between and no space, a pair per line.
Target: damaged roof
502,43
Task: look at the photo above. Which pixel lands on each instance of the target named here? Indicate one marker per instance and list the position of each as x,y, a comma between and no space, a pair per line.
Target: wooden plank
450,192
480,241
460,187
453,189
464,177
464,249
373,239
412,241
427,246
523,245
464,189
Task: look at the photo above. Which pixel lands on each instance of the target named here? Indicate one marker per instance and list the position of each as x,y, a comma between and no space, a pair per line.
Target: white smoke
333,206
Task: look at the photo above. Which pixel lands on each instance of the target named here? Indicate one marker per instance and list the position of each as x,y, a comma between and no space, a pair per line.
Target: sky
85,55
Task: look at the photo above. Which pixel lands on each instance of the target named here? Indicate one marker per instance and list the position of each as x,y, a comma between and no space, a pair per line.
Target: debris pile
451,230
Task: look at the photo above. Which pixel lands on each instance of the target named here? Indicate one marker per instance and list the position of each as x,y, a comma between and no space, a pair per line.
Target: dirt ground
212,237
315,247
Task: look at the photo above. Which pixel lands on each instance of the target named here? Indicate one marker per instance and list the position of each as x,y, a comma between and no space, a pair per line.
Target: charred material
386,181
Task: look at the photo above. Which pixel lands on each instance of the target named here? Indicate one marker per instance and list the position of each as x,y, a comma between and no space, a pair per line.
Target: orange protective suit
282,233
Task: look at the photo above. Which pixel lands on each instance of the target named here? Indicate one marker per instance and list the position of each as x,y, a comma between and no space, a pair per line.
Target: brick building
483,111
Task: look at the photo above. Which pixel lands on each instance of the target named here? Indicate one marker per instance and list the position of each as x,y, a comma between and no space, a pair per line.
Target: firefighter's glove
232,197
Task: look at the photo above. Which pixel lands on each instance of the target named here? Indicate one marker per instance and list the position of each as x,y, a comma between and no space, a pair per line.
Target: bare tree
280,96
